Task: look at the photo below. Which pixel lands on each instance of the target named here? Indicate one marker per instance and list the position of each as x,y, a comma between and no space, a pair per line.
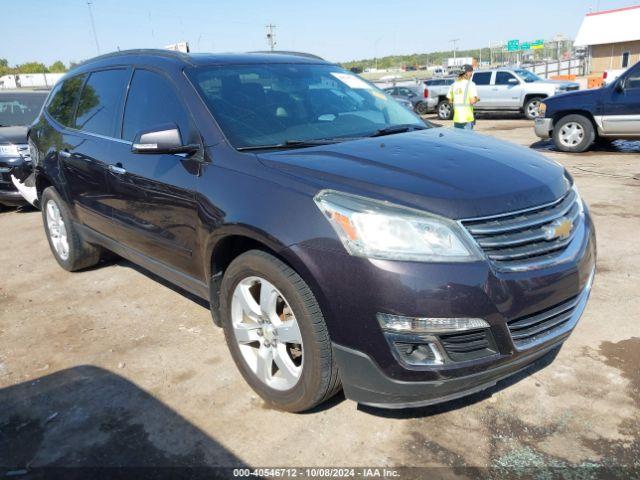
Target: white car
612,75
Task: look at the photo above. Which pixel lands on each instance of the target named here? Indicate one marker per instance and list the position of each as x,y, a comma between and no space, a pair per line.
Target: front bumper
543,127
351,291
365,383
11,198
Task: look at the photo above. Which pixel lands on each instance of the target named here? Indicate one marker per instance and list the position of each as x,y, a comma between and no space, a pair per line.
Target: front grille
468,345
529,329
514,239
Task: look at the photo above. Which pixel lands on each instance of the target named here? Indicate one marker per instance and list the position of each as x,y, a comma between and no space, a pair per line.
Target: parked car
436,92
416,95
18,108
577,120
515,89
339,240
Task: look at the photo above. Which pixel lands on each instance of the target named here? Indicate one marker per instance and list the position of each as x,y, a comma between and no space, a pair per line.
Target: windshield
273,104
20,108
527,76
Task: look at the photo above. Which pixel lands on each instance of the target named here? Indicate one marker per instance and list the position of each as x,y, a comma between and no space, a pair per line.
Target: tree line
33,67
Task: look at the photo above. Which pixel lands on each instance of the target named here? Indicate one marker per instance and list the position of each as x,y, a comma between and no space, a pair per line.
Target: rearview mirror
161,139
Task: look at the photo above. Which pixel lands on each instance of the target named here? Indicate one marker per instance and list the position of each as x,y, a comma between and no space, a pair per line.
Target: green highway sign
537,44
525,46
513,45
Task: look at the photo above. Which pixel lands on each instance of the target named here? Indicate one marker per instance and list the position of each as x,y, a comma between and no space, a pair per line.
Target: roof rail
140,51
287,52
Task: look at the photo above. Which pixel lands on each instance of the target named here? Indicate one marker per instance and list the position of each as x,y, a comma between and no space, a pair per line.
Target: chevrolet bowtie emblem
560,228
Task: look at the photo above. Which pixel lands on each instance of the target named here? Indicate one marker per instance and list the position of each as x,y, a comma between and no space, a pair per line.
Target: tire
317,377
444,110
76,254
531,107
422,108
574,133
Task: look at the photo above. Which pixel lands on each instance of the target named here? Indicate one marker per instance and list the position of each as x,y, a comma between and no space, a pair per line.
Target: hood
449,172
563,84
13,135
577,98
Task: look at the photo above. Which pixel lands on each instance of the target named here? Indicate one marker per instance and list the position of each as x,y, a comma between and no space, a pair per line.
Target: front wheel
445,112
574,133
276,333
532,108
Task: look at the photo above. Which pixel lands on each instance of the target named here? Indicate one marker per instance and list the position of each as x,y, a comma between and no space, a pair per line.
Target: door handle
117,170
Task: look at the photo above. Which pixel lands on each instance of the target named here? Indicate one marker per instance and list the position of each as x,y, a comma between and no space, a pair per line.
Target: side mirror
513,81
161,139
619,86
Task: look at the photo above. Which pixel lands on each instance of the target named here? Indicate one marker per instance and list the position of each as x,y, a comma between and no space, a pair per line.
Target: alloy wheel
571,134
533,109
57,230
267,333
444,110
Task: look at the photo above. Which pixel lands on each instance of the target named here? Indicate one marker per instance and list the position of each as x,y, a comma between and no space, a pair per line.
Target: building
612,38
30,80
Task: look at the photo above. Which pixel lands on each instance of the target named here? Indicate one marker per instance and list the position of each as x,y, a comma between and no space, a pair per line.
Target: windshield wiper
409,127
290,144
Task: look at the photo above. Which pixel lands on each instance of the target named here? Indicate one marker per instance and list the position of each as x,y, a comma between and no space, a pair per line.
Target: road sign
525,46
513,45
537,45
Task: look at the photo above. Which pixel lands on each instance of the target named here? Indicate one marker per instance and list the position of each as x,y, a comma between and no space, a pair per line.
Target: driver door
622,106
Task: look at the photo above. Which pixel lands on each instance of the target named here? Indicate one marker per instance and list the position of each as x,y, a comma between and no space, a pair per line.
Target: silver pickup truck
511,89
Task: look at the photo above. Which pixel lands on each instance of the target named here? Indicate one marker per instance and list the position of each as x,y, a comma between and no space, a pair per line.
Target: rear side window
482,78
63,100
151,102
100,102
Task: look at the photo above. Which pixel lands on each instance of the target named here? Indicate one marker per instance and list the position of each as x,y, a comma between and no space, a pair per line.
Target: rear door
153,195
622,108
86,148
483,84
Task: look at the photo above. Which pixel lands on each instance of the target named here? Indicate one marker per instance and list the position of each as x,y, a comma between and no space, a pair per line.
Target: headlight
9,151
375,229
542,109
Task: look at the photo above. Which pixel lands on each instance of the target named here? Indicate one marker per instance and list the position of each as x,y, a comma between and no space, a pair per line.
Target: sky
338,30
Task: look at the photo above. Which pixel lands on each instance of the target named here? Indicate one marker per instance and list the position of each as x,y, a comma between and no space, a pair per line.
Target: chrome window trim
83,132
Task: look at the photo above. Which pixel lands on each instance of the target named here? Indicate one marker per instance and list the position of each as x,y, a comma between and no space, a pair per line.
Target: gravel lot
111,366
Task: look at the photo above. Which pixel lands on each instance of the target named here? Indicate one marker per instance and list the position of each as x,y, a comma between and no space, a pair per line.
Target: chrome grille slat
515,238
527,219
527,322
542,327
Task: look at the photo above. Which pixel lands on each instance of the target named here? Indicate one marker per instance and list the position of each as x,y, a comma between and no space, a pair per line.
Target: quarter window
63,100
100,102
482,78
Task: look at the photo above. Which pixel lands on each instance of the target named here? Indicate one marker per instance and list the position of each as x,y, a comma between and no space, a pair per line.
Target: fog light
418,353
401,324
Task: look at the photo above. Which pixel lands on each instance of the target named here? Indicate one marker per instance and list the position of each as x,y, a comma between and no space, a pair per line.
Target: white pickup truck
512,89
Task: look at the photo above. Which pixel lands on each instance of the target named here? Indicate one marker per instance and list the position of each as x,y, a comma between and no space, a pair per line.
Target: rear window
63,99
20,108
100,102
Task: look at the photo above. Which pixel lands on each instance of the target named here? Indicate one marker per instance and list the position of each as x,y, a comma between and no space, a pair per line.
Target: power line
271,36
93,26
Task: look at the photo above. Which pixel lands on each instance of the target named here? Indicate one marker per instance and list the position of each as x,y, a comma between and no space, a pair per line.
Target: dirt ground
113,367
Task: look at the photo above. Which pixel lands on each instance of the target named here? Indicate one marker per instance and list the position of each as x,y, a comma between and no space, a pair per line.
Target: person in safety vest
463,94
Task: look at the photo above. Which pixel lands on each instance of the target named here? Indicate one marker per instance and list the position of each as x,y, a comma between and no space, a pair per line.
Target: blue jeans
465,126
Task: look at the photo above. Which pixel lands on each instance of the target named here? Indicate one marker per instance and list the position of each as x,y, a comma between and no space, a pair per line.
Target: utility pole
93,26
455,47
271,36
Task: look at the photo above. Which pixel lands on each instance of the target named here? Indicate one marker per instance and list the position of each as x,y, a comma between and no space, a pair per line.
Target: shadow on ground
86,417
